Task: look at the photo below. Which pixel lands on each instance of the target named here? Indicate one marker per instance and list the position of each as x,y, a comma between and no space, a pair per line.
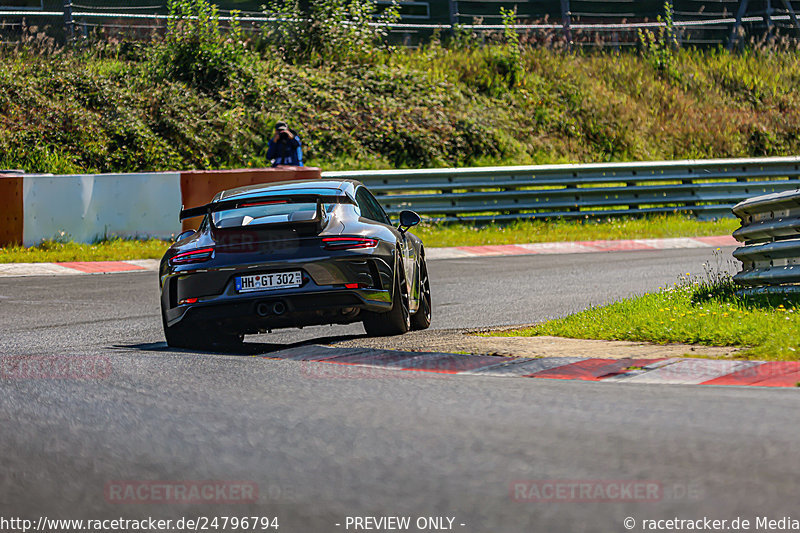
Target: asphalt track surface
322,446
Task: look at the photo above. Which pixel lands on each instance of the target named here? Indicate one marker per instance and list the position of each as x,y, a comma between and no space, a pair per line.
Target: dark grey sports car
292,254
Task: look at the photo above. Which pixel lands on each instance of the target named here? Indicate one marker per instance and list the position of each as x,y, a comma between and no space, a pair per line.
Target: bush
175,106
328,31
660,50
196,51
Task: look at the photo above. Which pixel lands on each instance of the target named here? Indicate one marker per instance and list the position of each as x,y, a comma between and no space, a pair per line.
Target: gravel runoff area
467,342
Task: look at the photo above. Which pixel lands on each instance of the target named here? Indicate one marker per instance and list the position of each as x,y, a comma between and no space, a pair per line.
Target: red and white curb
674,370
76,267
108,267
580,247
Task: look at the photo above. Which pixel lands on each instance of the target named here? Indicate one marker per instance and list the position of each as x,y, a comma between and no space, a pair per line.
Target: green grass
433,235
527,231
109,250
691,312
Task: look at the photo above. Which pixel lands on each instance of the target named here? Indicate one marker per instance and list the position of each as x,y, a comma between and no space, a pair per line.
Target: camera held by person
285,147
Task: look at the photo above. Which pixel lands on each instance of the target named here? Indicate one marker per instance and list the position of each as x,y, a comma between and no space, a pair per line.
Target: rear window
267,214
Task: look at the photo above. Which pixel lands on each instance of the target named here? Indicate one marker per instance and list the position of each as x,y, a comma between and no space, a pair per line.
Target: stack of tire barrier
770,233
83,208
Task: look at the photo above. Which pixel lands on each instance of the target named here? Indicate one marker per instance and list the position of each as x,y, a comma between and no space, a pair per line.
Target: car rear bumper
256,312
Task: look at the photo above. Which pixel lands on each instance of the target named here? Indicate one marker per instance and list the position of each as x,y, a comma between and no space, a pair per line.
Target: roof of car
307,186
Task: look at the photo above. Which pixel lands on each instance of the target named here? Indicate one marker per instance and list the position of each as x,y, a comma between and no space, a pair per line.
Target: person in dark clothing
285,147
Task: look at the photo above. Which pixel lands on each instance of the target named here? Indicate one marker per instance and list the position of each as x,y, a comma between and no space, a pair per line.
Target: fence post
734,38
453,5
566,21
768,21
69,24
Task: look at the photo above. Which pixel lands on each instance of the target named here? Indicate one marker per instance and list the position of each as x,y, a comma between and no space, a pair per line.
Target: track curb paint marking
77,268
675,370
593,369
101,267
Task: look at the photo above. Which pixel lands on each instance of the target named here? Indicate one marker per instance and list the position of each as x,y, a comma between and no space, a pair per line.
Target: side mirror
408,219
185,234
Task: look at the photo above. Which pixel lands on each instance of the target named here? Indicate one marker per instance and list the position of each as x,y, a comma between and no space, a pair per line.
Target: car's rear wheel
183,335
422,318
398,320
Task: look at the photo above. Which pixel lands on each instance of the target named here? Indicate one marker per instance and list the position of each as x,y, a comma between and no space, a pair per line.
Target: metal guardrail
770,232
705,188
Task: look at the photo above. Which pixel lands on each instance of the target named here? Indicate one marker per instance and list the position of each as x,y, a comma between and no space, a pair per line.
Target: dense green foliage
196,51
326,30
201,98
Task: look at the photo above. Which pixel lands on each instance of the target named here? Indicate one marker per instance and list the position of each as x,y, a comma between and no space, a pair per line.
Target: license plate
266,282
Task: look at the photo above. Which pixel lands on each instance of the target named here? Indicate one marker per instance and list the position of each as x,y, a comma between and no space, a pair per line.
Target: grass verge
693,311
531,231
108,250
433,235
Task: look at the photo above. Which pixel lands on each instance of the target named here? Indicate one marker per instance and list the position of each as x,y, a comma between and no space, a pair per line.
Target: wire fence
584,23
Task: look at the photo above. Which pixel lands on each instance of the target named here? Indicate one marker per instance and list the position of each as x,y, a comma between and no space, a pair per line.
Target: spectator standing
285,147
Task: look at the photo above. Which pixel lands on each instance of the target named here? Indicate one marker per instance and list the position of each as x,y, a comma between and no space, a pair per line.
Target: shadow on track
246,349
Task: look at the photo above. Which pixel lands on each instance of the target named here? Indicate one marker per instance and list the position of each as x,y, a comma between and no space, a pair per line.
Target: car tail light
189,301
348,243
193,256
356,285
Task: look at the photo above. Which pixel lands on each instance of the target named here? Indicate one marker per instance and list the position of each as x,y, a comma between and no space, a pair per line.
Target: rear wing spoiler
235,203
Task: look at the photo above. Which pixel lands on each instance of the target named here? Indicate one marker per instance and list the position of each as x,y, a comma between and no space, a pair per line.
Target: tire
396,321
182,335
422,318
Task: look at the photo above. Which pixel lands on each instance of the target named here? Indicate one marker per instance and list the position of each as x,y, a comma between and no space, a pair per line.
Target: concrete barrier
198,187
85,207
11,209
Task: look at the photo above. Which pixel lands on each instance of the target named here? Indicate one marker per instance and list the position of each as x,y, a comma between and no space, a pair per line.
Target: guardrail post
453,4
768,10
734,38
566,21
69,24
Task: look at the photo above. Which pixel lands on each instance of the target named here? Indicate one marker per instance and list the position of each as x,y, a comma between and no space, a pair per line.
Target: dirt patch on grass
458,341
